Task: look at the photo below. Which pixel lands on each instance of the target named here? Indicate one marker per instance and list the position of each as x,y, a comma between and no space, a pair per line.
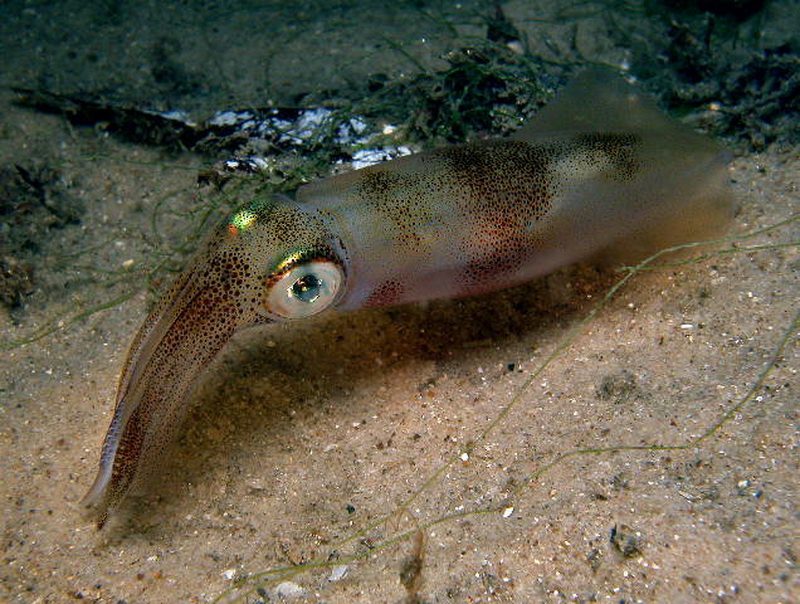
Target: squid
599,172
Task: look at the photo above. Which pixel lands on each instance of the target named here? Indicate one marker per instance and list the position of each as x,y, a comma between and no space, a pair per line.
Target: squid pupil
307,288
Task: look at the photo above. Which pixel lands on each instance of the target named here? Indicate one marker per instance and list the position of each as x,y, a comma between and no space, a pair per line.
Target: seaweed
754,96
33,201
724,79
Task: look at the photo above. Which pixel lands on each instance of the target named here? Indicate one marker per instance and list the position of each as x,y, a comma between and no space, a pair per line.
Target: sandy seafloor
305,443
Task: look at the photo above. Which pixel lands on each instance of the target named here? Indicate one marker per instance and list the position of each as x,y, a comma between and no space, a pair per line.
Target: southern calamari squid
599,170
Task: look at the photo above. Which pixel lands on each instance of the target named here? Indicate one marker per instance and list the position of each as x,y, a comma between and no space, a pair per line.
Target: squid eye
303,289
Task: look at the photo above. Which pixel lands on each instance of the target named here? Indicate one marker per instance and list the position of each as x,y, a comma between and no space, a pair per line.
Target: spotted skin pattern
612,176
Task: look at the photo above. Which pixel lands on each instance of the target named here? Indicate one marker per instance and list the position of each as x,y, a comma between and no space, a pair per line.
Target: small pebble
627,540
288,589
338,572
